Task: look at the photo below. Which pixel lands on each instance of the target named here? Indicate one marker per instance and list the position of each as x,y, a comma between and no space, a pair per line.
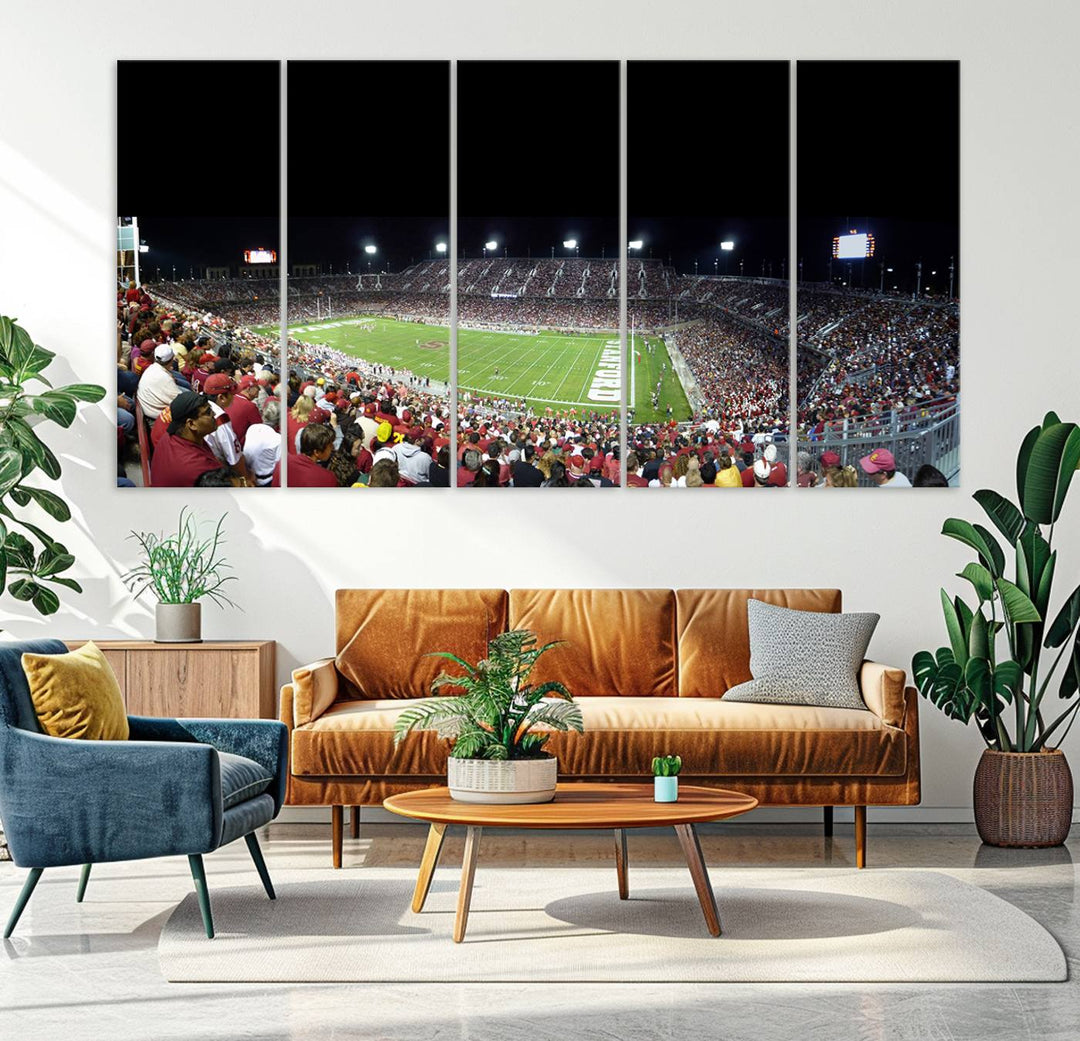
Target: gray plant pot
178,623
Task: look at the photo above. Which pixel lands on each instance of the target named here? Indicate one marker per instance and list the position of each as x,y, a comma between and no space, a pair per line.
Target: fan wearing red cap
880,464
233,398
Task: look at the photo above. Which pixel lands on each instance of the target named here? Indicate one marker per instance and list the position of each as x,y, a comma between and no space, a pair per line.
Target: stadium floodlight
727,246
570,244
440,247
371,249
491,245
143,247
635,244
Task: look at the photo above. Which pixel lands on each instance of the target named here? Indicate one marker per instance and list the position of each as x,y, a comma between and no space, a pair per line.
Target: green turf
649,370
549,370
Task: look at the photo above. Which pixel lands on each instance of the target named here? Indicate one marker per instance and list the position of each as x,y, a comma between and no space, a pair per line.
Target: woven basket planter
1023,799
502,781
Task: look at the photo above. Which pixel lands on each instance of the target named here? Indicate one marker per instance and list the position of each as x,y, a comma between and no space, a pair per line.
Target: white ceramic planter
502,781
178,623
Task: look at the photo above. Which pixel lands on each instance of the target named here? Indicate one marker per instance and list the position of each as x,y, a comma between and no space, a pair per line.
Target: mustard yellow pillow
76,695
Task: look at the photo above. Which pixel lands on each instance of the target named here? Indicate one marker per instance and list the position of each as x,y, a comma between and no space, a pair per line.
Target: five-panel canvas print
474,301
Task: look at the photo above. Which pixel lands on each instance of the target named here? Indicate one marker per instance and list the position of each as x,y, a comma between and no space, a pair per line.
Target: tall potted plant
497,756
181,569
1023,785
32,566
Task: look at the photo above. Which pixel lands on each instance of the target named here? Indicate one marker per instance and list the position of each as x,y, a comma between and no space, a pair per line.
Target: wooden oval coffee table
577,805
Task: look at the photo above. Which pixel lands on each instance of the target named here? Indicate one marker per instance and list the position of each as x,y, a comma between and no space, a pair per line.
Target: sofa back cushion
383,635
714,633
621,641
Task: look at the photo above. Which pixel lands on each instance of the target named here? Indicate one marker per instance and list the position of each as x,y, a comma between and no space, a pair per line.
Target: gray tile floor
90,971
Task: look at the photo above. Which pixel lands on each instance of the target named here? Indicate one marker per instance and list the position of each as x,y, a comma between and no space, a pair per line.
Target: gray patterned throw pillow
805,657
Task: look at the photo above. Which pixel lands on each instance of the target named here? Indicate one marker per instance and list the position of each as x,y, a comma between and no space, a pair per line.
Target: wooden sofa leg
860,836
337,829
354,823
828,814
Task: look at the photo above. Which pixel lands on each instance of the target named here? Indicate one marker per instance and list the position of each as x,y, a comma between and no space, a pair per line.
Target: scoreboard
260,256
855,245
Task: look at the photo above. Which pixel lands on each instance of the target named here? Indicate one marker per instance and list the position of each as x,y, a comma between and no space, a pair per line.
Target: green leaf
69,583
1070,682
980,540
1054,459
1066,620
1018,607
50,502
1005,516
10,468
957,635
978,638
1022,459
34,449
24,589
90,392
1008,679
7,328
50,563
46,601
19,551
55,406
981,579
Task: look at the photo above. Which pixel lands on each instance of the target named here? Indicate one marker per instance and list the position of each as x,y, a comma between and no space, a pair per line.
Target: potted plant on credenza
181,569
497,755
1023,790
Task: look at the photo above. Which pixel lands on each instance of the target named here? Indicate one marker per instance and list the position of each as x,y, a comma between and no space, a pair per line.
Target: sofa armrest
314,690
882,689
265,741
66,801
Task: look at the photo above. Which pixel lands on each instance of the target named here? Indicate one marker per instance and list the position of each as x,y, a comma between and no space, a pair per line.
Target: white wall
1020,226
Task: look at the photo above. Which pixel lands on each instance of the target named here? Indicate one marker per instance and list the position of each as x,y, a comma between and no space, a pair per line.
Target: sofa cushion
241,778
714,633
621,641
383,635
622,734
805,657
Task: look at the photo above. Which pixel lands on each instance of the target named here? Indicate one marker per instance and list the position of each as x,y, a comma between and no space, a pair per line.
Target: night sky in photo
879,150
538,156
707,145
214,147
368,162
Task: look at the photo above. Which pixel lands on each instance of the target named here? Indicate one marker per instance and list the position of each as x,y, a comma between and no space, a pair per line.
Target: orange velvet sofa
649,668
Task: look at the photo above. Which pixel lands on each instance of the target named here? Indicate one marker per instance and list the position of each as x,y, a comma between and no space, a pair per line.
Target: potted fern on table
498,753
1023,790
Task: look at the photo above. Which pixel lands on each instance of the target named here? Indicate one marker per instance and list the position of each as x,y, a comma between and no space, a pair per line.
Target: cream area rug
568,924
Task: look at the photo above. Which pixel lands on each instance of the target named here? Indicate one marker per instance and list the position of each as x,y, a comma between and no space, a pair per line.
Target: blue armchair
178,786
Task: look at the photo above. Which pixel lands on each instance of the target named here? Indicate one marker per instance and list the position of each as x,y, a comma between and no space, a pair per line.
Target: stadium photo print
879,274
197,301
539,358
707,279
368,347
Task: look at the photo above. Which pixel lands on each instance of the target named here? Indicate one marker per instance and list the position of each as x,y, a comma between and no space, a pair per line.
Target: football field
549,370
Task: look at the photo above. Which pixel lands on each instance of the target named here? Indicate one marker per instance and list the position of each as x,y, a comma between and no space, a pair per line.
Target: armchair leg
354,823
198,873
828,821
260,864
83,879
24,899
337,828
860,836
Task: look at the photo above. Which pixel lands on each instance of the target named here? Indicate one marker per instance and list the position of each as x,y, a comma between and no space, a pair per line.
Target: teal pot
665,789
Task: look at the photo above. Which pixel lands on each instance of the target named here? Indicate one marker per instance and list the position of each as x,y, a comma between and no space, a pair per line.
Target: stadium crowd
197,402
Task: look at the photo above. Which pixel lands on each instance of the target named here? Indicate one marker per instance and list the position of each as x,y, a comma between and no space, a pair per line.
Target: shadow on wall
266,561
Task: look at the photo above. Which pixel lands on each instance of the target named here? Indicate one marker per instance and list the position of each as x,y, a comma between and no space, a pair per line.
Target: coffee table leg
694,860
621,863
436,834
468,870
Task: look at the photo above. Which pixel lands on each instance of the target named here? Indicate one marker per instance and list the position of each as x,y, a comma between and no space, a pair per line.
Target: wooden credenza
216,678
